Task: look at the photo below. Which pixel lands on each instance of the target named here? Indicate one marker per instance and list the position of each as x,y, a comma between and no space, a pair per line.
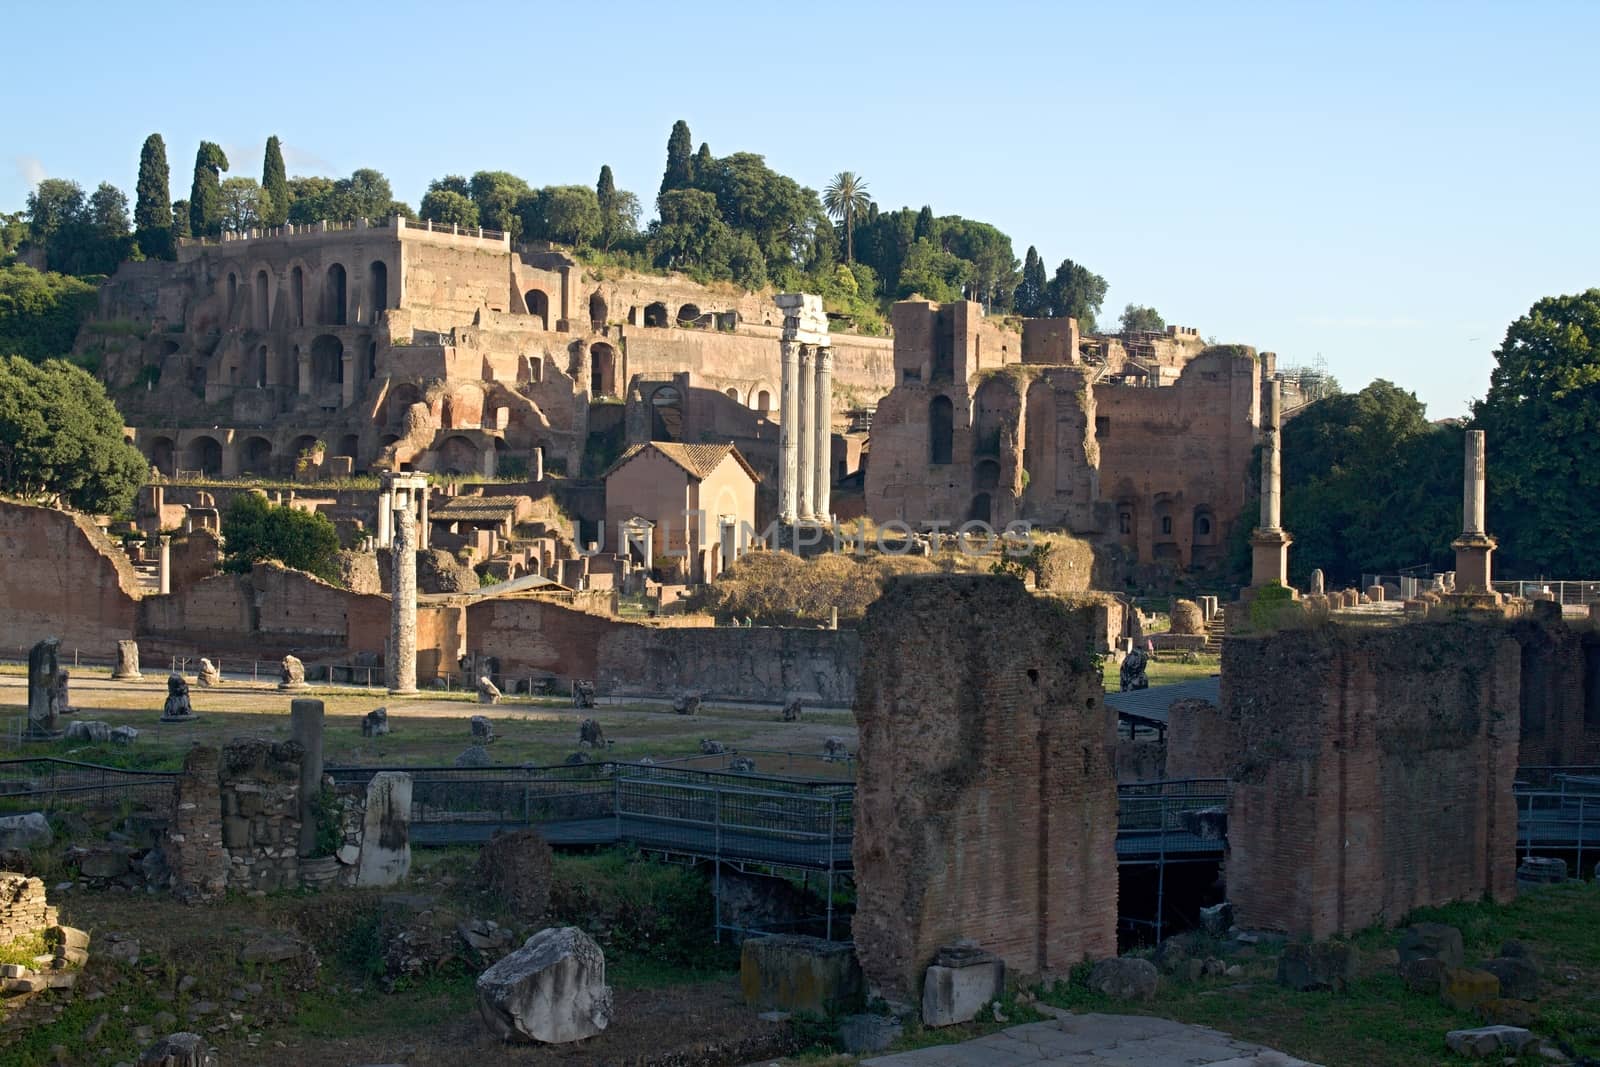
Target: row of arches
333,306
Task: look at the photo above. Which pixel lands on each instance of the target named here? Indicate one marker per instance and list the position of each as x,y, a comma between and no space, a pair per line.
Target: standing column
305,726
822,464
403,607
805,431
1269,545
788,425
426,534
1472,489
385,517
164,571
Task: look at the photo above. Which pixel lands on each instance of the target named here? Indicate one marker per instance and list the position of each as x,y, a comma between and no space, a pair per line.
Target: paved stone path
1094,1040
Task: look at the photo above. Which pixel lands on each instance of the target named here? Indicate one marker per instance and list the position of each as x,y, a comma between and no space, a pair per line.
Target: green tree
499,196
275,184
449,208
152,210
205,194
926,229
61,439
1076,293
180,220
1370,485
79,235
619,210
680,163
992,273
451,183
255,530
108,212
932,273
54,205
40,313
780,215
310,199
844,199
243,204
364,195
1139,319
1541,418
13,232
566,214
703,161
1029,300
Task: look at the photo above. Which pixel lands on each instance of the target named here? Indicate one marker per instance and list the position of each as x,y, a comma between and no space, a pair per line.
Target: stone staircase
1214,631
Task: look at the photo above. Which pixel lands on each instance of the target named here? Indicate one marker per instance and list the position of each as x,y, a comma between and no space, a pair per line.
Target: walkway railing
46,783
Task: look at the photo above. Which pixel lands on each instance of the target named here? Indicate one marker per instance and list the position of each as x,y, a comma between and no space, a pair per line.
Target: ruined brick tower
986,805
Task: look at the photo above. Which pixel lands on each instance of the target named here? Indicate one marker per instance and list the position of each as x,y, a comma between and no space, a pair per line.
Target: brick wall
1198,743
1556,680
986,805
60,577
1374,771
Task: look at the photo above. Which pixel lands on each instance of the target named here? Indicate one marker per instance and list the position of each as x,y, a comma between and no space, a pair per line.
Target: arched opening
162,453
233,292
377,289
1204,527
941,430
294,368
327,360
602,370
666,414
349,445
764,401
372,360
539,307
297,297
386,440
655,315
333,296
263,310
258,368
255,456
986,475
1164,526
733,394
204,454
1126,521
597,311
981,509
687,315
304,450
458,456
401,397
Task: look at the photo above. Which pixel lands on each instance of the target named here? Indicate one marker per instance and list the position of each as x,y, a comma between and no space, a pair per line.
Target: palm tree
844,199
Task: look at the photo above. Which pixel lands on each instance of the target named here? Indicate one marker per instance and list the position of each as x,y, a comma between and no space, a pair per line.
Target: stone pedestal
1474,572
127,668
961,982
305,727
1269,557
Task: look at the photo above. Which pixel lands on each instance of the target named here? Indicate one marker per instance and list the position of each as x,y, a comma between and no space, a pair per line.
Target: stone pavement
1094,1040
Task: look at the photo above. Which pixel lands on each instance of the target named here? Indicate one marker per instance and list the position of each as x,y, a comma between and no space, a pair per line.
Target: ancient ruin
1269,544
805,412
1474,547
46,694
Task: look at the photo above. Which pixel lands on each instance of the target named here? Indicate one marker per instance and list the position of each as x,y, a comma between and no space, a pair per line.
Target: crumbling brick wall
1555,690
986,800
1374,772
1198,745
193,846
260,803
23,909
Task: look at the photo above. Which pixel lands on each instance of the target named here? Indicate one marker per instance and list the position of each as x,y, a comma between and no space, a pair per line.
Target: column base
1269,557
1474,566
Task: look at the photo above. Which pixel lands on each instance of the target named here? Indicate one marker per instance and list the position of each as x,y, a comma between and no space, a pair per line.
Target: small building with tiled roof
697,502
498,513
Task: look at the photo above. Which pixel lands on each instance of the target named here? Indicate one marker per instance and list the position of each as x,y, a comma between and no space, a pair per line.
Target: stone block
960,983
1505,1012
1125,978
1326,965
1217,920
800,974
67,937
180,1050
103,862
386,830
1432,940
235,832
1542,870
1488,1041
551,990
1464,988
1519,978
864,1034
31,830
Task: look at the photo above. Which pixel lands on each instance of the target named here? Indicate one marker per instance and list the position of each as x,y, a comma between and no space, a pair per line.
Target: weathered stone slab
961,982
386,830
800,974
552,990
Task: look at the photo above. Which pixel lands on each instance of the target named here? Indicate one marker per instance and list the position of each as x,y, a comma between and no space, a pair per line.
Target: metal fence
1568,592
47,783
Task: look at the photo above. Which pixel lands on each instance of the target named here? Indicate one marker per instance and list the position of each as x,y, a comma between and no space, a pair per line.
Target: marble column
822,463
385,517
805,432
425,535
788,426
1269,544
402,660
164,570
1474,548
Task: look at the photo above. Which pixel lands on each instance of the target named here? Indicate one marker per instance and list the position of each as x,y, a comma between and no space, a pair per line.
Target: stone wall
986,805
24,911
193,849
61,577
259,782
1374,771
1198,745
535,636
1560,688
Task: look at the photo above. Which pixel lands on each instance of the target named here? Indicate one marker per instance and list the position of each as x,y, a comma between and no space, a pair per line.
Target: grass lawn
1166,672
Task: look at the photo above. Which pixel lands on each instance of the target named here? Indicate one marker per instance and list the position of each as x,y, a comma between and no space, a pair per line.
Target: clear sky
1384,185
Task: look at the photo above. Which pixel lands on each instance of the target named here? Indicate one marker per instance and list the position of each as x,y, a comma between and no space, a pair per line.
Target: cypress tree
680,163
1029,300
924,224
152,211
275,183
180,219
205,195
703,162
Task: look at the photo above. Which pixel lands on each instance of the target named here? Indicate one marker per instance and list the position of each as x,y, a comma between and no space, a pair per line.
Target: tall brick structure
986,798
1374,770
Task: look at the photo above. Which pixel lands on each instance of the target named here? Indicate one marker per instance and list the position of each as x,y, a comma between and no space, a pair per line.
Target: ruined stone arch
602,369
986,475
733,394
297,294
349,445
597,311
1204,526
761,399
262,303
539,306
401,398
162,452
941,430
666,414
655,315
688,314
982,508
994,406
335,295
327,360
258,368
255,456
204,454
233,294
457,455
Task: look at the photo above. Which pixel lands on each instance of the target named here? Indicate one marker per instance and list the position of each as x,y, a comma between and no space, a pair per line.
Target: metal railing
1568,592
48,782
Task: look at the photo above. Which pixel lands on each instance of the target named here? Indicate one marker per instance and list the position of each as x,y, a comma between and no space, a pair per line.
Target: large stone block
386,830
1125,978
1328,965
800,974
1464,988
961,982
551,990
1437,941
1519,978
31,830
1485,1041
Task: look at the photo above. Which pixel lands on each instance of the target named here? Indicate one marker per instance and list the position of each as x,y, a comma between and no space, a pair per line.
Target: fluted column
385,516
403,608
822,463
788,427
805,432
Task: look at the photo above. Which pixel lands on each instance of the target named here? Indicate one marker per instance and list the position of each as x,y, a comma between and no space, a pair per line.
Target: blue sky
1385,186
